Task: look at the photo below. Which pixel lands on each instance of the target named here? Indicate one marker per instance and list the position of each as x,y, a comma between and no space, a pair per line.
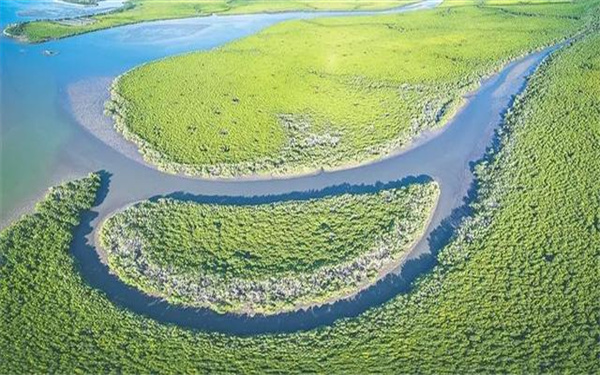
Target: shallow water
43,144
25,10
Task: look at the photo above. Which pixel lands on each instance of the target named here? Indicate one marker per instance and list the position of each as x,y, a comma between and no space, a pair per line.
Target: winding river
45,100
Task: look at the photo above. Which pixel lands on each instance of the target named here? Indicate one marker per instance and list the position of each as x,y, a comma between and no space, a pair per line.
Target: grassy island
265,258
324,93
135,11
515,292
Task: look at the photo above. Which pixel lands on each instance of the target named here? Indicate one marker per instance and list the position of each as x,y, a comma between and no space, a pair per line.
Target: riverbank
250,126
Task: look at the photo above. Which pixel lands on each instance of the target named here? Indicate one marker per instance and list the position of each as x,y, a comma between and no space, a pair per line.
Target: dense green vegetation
323,93
135,11
515,292
265,258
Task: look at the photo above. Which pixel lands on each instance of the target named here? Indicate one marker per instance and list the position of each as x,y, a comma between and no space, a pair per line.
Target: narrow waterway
43,143
446,157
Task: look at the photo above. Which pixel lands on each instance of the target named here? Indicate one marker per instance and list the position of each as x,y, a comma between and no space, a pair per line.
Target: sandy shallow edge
86,99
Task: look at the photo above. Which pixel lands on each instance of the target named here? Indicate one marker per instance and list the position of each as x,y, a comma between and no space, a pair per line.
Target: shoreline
22,38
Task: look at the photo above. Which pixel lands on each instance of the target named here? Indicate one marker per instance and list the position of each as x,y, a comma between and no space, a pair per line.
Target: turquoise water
38,136
33,126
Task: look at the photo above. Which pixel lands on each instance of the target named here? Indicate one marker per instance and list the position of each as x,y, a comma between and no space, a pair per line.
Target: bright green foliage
265,258
136,11
304,95
517,292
